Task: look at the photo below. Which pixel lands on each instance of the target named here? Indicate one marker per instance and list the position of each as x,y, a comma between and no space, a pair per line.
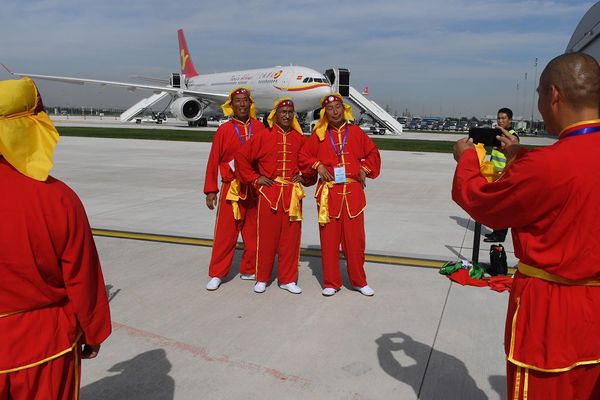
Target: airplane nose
324,90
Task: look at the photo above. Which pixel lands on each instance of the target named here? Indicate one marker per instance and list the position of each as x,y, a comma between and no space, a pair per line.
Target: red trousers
277,234
580,383
56,379
350,233
227,230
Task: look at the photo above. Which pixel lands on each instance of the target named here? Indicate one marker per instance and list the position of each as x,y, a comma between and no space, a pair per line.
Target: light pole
533,97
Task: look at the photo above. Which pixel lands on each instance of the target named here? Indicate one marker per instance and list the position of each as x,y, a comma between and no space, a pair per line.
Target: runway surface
419,337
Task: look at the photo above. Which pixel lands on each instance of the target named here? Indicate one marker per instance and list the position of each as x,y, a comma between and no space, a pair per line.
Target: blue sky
432,57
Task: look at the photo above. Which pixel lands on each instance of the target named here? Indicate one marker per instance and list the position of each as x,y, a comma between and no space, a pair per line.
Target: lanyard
341,145
581,131
237,131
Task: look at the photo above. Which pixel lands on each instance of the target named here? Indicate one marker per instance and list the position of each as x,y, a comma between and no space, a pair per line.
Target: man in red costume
52,294
549,197
270,162
343,156
236,210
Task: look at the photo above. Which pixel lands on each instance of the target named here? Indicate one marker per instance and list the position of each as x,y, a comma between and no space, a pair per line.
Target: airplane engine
187,109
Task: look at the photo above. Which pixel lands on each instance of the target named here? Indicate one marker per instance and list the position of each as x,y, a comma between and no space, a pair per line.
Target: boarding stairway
141,106
377,113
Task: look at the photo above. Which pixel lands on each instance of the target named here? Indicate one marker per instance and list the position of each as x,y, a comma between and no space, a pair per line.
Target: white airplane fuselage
303,85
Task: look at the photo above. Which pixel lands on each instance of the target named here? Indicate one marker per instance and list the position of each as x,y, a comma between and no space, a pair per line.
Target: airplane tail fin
187,66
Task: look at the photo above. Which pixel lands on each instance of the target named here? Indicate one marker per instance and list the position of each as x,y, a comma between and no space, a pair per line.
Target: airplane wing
211,97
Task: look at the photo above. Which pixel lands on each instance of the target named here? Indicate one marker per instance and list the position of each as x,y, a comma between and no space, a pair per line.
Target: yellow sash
233,195
295,211
324,200
541,274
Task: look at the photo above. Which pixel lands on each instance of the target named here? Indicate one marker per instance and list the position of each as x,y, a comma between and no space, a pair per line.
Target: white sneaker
260,287
213,284
328,291
365,290
248,277
292,288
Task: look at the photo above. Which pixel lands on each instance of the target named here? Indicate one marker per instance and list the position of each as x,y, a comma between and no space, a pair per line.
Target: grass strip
414,145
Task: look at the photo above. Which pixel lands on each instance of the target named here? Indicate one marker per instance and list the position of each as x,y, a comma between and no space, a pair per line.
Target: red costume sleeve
309,155
512,201
371,161
83,277
247,156
310,176
211,177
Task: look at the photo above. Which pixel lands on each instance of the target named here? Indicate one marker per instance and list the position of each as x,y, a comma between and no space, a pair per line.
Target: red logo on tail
187,66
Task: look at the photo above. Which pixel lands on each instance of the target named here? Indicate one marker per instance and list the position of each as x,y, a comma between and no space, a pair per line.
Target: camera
487,136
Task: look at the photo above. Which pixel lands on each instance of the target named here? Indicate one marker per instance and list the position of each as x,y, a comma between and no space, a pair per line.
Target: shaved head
577,78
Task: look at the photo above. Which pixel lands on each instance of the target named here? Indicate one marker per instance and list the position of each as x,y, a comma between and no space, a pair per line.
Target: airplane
192,93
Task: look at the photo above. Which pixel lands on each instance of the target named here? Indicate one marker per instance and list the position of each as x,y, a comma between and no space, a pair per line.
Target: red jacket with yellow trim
272,154
224,146
359,153
550,198
49,271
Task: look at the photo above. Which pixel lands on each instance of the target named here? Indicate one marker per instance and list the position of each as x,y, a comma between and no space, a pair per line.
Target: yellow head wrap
228,110
271,117
27,136
321,126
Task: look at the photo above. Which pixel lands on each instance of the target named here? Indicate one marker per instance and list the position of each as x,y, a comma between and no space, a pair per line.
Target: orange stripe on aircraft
300,88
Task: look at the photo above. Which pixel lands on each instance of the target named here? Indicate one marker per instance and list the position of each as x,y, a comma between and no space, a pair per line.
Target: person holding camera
549,197
498,159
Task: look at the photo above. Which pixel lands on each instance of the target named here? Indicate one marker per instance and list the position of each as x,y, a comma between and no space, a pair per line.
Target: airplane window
305,80
310,79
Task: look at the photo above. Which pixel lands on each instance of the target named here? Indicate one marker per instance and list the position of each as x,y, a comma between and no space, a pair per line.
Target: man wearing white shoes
236,212
343,156
269,162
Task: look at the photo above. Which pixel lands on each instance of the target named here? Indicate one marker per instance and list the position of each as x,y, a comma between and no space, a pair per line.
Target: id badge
339,174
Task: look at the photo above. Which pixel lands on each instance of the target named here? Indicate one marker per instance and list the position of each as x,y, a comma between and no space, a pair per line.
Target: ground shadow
498,383
144,377
469,224
316,266
441,376
110,293
234,269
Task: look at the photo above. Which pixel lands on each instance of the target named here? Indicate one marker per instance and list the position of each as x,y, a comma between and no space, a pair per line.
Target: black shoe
493,237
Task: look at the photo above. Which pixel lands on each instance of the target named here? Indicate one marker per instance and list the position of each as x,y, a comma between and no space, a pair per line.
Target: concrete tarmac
419,337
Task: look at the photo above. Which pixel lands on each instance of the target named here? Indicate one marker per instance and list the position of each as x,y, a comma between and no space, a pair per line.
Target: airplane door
340,80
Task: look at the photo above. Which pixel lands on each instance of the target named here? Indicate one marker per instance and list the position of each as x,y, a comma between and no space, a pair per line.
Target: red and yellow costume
274,154
550,198
236,211
52,293
341,206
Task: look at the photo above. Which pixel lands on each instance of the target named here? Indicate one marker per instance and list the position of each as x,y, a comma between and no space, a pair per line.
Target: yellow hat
283,102
27,136
228,110
321,126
